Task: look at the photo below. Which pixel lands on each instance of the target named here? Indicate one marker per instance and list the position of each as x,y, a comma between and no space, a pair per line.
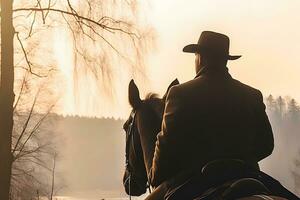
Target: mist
92,156
93,151
283,164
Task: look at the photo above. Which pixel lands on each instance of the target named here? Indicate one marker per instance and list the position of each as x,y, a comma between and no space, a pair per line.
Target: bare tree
32,141
32,153
32,106
97,29
105,34
6,97
53,176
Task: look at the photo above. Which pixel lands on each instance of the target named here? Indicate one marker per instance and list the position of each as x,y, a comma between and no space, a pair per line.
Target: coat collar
221,72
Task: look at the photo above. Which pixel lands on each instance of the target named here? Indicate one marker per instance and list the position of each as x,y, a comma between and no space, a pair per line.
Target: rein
130,137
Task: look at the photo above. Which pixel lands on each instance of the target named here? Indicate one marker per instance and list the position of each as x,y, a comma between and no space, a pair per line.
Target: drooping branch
20,92
98,23
29,64
102,28
25,125
33,131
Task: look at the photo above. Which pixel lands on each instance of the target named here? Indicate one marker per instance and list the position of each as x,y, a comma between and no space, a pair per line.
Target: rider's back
211,117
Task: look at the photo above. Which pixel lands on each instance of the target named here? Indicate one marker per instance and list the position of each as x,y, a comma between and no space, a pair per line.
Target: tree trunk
6,97
53,176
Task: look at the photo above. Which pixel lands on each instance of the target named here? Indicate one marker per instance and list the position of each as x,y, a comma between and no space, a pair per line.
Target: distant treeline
285,111
284,114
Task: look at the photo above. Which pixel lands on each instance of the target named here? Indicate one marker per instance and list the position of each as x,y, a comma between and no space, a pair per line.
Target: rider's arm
167,144
264,141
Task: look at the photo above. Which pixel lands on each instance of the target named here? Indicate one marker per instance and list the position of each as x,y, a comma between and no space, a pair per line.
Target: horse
142,127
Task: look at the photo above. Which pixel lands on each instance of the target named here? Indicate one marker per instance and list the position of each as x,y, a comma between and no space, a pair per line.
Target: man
210,117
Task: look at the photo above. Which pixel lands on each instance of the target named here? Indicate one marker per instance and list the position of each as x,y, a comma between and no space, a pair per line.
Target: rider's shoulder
247,88
183,88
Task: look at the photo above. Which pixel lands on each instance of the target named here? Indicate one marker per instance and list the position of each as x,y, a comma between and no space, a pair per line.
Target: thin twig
104,27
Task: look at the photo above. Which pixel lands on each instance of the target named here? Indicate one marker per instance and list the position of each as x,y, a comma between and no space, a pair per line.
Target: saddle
223,179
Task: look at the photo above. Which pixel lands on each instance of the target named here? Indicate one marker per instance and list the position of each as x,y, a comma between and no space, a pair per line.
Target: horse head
144,123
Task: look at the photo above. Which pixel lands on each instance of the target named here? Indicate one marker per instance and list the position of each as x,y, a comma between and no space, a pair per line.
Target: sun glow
264,32
63,50
97,88
81,92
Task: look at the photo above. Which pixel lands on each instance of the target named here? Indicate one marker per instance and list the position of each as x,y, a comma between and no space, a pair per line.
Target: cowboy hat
213,43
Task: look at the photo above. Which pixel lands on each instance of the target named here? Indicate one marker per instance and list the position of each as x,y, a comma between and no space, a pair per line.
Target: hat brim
195,48
233,57
192,48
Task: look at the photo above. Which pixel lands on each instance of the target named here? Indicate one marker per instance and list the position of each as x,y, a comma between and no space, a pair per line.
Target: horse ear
134,95
175,82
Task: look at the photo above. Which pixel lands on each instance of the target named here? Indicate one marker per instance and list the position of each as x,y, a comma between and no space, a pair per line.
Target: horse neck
149,125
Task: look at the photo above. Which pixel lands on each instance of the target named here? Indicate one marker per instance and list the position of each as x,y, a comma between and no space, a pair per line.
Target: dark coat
210,117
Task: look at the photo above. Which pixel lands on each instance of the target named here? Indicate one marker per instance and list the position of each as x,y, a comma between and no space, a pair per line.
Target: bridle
130,132
129,135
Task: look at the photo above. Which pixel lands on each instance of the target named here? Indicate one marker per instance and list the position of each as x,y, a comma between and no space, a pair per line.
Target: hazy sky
266,33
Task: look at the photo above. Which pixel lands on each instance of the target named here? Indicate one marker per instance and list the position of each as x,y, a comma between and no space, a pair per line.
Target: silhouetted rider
210,117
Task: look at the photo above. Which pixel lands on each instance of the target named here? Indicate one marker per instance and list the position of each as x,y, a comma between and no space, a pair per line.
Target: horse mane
150,96
153,100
